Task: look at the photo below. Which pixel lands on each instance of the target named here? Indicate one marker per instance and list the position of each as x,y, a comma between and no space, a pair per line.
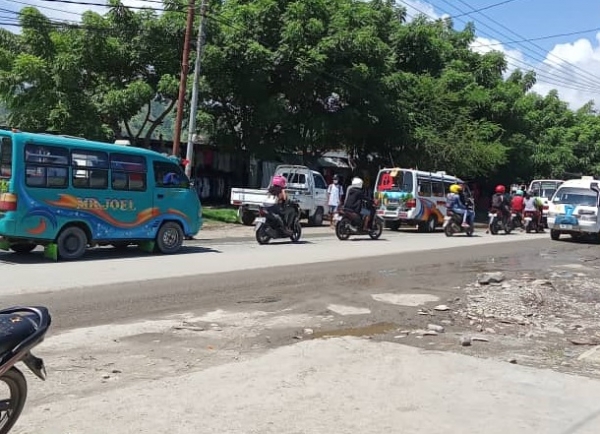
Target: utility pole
194,103
184,73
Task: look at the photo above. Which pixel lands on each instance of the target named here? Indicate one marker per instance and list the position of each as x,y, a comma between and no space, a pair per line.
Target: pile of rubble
566,304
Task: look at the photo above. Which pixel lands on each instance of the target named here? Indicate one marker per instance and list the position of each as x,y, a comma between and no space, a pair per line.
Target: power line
485,8
103,5
594,79
546,77
558,79
543,38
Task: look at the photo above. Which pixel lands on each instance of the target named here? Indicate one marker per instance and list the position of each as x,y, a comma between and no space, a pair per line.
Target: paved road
31,274
210,352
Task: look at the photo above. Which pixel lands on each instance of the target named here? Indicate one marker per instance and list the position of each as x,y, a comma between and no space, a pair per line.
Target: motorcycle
496,223
21,329
345,219
268,227
453,224
530,221
516,220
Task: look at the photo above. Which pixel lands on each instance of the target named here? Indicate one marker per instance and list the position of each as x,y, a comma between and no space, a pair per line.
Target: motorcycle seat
14,329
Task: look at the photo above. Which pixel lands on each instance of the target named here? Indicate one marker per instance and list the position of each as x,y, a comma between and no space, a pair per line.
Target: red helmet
500,189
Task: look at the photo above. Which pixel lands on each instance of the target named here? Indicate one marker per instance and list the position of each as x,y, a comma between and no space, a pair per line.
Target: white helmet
357,182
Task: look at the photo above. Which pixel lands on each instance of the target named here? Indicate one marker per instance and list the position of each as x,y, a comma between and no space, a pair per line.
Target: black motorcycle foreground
21,329
349,223
267,226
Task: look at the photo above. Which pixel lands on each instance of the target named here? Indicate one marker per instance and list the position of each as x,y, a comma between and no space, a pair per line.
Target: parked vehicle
348,223
413,197
574,209
498,223
545,189
310,185
67,194
530,221
268,228
21,329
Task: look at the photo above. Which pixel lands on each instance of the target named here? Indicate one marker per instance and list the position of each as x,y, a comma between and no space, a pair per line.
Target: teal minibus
67,194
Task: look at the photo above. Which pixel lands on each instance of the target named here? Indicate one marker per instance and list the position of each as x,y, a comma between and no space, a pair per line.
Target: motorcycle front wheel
448,231
376,232
342,229
11,408
261,237
296,231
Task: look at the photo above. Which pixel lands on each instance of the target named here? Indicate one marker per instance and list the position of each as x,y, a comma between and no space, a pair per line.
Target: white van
413,197
573,209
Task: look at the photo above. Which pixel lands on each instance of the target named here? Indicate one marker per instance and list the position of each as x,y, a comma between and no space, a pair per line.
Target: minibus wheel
170,238
71,243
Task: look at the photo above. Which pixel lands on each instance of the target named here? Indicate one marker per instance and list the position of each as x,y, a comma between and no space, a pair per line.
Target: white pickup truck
308,186
545,189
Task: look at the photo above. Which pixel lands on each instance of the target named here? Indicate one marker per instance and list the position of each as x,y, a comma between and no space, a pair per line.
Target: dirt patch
548,319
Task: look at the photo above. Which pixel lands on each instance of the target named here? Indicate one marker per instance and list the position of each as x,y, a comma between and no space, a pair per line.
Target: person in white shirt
335,193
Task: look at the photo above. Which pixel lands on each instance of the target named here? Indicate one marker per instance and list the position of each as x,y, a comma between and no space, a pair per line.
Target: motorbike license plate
258,222
566,226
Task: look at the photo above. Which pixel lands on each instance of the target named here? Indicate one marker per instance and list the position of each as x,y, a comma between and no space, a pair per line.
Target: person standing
335,193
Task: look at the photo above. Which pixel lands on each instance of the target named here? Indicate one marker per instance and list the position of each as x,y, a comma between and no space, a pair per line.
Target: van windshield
575,196
545,189
6,158
395,180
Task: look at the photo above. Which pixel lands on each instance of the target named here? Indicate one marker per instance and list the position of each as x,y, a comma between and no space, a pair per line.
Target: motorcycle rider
517,204
279,199
539,204
354,200
500,202
529,204
456,202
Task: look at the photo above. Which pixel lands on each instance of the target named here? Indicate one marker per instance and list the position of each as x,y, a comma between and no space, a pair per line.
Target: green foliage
302,76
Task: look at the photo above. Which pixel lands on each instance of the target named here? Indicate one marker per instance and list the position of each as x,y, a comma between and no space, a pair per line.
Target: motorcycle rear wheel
494,227
342,229
10,409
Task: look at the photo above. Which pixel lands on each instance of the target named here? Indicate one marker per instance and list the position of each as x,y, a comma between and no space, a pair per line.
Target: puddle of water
370,330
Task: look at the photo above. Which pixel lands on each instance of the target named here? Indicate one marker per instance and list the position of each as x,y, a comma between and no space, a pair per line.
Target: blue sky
570,64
